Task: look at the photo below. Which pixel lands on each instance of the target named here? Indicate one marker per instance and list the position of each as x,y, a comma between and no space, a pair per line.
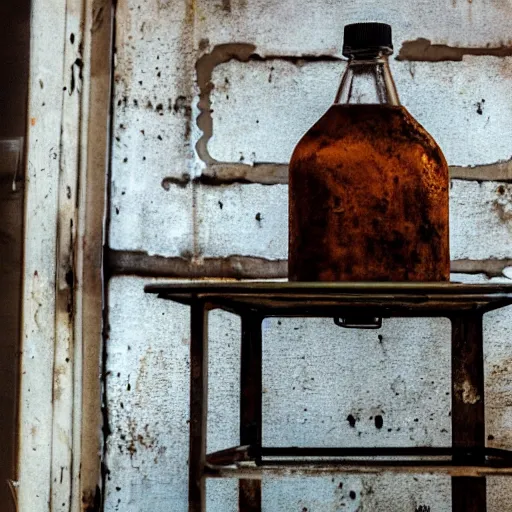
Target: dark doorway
14,70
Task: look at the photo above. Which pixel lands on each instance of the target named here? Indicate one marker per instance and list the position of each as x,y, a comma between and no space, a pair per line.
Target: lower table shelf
467,461
248,462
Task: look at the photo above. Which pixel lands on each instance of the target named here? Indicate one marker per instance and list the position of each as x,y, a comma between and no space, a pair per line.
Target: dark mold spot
351,420
203,44
70,278
352,495
181,106
379,421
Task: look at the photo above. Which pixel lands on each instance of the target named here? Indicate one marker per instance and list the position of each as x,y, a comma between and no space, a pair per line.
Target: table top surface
300,297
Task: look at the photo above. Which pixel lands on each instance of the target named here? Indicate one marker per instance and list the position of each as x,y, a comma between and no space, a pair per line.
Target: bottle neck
367,80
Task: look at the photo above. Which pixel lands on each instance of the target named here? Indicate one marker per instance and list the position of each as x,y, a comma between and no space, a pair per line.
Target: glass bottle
368,186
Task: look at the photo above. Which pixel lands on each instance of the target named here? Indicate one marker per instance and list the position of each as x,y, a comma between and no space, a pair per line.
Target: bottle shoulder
366,129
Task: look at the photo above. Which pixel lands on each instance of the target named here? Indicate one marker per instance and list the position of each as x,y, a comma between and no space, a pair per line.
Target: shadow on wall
14,67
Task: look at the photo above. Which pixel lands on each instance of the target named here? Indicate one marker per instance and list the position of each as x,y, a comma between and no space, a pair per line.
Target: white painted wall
260,109
247,95
290,28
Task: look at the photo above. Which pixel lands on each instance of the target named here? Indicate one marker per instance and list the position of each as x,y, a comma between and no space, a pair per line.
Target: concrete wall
210,99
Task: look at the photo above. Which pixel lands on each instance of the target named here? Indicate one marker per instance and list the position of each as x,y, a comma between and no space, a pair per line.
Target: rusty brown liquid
368,199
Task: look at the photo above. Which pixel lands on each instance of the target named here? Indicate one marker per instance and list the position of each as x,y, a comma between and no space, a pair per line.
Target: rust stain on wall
422,49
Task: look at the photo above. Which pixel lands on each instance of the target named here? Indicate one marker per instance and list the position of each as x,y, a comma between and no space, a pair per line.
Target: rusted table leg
198,406
249,496
468,415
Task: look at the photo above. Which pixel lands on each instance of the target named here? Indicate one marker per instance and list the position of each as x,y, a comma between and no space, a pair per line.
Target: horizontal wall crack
226,173
423,50
491,267
235,267
497,171
247,267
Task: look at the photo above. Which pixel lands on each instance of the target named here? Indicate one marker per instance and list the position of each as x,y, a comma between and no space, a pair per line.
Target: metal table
468,461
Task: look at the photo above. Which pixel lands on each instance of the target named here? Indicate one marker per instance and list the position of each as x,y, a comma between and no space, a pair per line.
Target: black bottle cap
367,38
